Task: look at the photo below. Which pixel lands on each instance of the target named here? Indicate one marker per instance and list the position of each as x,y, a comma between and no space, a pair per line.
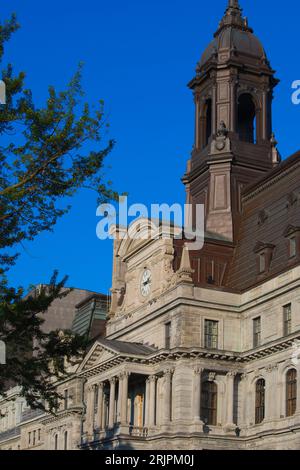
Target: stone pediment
98,355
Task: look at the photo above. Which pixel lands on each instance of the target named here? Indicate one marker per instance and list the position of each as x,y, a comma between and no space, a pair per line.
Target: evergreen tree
48,160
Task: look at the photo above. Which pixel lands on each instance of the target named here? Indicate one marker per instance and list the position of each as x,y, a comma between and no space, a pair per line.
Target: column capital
101,385
231,374
271,367
124,374
212,376
152,378
168,372
113,380
198,370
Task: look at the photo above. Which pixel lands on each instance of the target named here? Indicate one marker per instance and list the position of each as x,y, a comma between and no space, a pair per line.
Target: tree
57,150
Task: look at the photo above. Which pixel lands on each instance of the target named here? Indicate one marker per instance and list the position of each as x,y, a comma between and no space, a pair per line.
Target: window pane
256,332
293,247
260,401
291,392
209,403
211,334
262,263
287,318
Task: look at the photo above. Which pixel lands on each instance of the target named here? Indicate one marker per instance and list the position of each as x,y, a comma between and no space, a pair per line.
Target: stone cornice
162,356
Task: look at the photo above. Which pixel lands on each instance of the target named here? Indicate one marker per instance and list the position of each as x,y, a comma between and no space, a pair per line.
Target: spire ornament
233,17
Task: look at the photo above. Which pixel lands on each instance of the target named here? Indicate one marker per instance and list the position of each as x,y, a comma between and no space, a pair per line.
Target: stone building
202,347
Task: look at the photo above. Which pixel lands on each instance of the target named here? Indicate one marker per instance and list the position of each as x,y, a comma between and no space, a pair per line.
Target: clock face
146,282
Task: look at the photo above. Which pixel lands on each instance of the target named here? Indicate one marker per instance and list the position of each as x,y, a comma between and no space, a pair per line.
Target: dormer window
292,234
264,252
293,247
262,263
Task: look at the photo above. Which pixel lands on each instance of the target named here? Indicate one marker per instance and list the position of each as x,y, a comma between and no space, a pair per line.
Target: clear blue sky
139,55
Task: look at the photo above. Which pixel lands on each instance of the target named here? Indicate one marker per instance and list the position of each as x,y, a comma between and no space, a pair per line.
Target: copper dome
234,38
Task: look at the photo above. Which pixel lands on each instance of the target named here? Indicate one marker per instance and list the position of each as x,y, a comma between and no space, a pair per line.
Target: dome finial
233,7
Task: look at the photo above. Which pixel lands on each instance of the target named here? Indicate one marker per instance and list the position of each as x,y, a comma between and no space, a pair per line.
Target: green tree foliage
55,151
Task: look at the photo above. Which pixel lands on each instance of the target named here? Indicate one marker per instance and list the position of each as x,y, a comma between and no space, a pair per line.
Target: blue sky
139,55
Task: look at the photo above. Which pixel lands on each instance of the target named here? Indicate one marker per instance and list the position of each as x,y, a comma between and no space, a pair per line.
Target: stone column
147,409
233,104
230,400
214,109
197,395
243,393
264,119
124,398
298,389
197,123
90,411
152,400
112,398
271,405
99,417
167,400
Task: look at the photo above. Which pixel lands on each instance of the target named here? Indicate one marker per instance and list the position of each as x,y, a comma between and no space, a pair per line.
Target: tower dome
234,41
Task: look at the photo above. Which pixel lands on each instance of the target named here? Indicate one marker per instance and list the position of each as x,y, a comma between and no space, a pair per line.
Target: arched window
209,402
56,442
208,121
291,392
260,401
66,440
246,119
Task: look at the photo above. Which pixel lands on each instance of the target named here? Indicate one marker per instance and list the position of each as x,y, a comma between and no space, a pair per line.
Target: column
167,391
298,388
214,109
197,394
233,104
124,398
90,411
264,115
230,399
243,394
147,396
152,400
271,405
197,123
112,398
99,417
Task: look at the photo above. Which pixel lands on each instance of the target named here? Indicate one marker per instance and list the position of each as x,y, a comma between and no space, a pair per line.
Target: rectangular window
34,438
287,320
256,332
293,247
39,435
29,438
211,334
168,335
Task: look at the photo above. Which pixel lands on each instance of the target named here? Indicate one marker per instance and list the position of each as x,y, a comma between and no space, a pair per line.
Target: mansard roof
278,193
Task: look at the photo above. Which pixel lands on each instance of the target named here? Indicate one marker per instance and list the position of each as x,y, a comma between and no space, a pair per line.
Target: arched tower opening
247,126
